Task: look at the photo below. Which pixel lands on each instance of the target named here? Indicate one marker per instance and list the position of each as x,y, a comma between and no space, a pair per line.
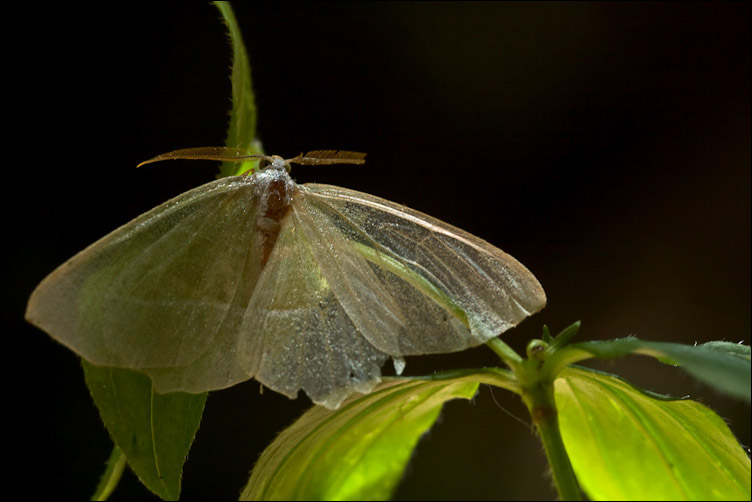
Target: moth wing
299,329
165,293
453,289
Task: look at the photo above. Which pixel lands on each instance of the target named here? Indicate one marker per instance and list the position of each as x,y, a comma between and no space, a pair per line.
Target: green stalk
539,398
111,476
505,353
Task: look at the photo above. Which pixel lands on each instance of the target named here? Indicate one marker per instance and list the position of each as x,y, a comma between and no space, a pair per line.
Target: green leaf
242,132
737,349
357,452
155,431
627,445
565,336
722,365
547,335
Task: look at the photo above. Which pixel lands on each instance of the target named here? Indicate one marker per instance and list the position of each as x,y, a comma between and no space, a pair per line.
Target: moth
308,286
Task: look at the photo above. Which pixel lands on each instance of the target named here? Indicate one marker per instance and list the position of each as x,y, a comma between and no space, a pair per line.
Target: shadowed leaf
155,431
242,132
722,365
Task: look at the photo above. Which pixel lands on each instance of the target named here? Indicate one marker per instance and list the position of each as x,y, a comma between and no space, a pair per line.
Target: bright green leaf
155,431
357,452
627,445
242,132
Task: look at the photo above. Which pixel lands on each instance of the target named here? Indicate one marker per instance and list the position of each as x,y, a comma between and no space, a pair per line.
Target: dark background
604,145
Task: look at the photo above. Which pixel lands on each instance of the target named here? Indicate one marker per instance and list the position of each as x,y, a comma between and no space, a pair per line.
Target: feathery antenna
223,153
324,157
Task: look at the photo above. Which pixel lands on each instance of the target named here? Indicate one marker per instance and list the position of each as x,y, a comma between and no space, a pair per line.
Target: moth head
273,162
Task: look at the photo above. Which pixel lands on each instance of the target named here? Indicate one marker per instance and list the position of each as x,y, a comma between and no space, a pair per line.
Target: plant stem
539,399
111,476
505,352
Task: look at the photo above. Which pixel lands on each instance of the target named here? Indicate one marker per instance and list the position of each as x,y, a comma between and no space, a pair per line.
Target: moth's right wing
430,287
164,293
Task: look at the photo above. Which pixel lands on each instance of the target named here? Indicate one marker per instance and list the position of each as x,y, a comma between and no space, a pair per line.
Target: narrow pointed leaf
155,431
357,452
627,445
242,132
565,336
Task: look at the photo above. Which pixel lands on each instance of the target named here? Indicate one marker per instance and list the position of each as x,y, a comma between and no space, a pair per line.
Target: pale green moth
307,287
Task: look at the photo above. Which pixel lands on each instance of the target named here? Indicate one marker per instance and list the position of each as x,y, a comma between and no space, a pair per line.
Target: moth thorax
274,189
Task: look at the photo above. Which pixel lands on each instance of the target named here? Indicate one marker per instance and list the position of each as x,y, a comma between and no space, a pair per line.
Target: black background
604,145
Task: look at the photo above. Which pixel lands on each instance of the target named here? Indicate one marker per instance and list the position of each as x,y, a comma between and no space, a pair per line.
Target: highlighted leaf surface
626,445
358,452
